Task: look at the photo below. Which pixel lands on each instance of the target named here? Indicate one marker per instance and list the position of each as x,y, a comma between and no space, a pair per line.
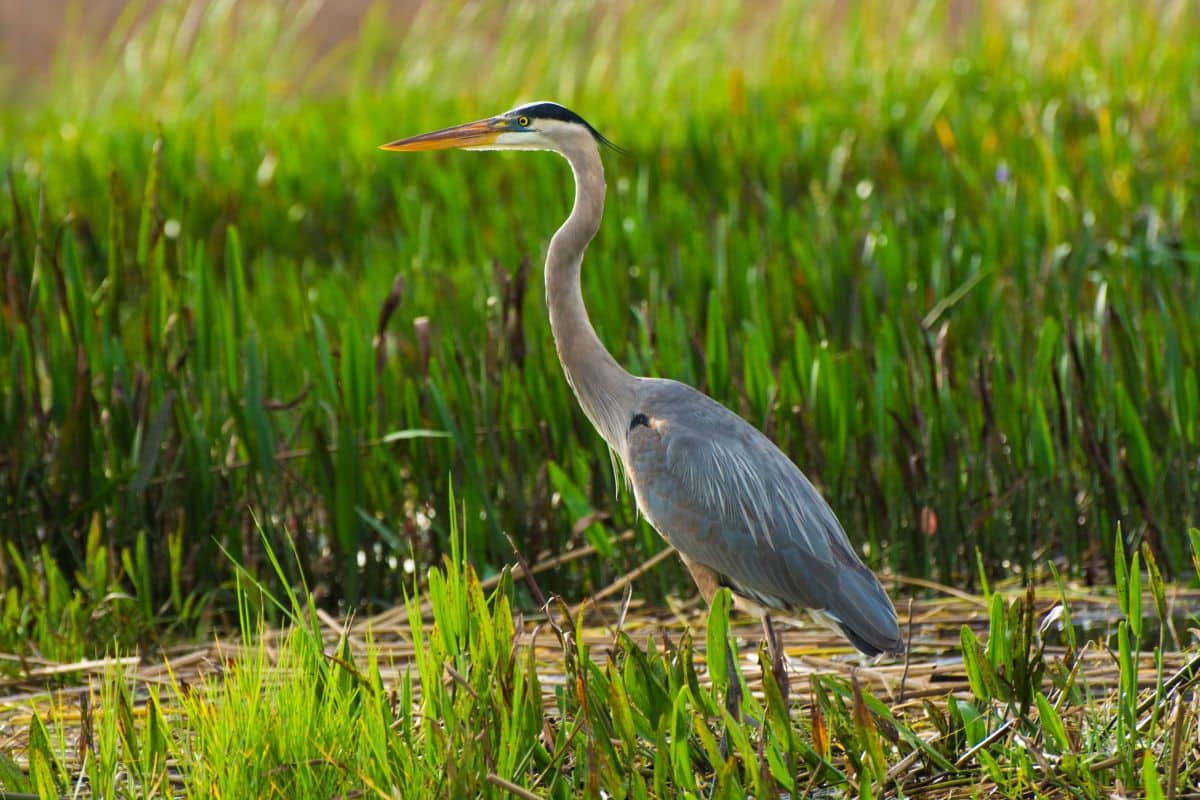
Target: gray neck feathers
604,389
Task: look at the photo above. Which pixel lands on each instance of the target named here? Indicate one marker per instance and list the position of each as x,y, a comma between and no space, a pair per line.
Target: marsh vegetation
264,385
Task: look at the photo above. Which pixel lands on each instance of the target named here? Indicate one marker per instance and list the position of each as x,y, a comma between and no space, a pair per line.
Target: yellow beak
472,134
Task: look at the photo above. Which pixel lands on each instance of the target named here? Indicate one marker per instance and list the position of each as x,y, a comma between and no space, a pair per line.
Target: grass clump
48,617
475,701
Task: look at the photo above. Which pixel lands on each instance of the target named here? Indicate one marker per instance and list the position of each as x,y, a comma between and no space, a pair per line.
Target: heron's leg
778,657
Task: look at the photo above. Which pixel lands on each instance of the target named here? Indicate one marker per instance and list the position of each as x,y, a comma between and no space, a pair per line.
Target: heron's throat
604,389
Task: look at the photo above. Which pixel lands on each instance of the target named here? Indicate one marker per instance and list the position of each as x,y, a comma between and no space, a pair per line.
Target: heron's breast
663,498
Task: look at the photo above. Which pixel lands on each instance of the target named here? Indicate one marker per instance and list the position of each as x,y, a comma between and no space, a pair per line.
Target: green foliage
948,263
47,615
476,712
1129,737
304,717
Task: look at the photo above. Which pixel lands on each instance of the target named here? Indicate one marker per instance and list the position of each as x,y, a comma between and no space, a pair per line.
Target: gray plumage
739,512
726,497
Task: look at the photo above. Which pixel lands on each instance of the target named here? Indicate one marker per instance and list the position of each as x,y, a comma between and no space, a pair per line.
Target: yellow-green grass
464,696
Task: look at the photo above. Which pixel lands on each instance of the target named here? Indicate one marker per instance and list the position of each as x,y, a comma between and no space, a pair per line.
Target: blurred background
945,254
31,33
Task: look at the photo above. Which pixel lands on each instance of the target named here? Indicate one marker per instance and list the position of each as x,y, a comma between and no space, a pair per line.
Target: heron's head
533,126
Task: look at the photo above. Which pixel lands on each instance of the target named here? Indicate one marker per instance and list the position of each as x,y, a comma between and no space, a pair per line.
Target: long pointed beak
472,134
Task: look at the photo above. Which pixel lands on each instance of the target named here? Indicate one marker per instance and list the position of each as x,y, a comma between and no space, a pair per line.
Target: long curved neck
604,389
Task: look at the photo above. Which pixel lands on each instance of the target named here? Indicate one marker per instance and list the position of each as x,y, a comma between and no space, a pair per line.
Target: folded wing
726,497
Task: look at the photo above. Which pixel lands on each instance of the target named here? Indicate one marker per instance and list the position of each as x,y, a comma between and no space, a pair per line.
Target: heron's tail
866,615
869,647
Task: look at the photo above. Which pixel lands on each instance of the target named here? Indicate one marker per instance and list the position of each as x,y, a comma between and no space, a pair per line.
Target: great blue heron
739,512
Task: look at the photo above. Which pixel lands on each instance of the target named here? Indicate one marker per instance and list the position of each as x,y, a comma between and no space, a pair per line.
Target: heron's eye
523,122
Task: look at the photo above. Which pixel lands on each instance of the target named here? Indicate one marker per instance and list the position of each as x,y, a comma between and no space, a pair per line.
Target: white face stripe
543,134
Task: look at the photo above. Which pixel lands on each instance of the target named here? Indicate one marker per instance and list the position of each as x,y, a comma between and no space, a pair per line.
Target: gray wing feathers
728,498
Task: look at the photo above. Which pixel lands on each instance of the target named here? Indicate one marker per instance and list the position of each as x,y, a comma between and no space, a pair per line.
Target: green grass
476,712
948,260
950,266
